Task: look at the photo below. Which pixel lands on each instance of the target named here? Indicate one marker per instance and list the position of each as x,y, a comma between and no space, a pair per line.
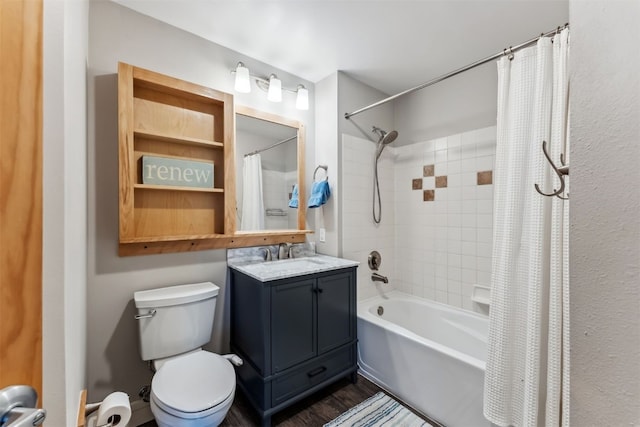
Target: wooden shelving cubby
165,117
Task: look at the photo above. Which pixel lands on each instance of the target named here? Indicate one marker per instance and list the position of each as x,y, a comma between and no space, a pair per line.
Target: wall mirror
269,172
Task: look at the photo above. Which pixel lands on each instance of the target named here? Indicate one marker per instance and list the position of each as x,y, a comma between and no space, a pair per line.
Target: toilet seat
195,385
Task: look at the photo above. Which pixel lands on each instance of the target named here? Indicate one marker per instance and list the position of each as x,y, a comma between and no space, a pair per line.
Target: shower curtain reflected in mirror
252,217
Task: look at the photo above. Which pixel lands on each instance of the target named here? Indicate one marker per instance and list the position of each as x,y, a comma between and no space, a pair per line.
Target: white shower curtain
252,199
527,371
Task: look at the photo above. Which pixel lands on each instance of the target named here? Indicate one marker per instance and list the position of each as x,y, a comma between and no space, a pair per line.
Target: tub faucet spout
379,278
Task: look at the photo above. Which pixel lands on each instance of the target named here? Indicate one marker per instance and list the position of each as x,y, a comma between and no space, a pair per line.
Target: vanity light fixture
302,98
272,85
275,89
243,79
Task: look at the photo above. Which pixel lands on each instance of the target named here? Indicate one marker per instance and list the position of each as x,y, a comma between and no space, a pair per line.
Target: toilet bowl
196,389
191,387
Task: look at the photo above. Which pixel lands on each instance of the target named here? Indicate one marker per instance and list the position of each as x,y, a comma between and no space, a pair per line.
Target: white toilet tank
175,319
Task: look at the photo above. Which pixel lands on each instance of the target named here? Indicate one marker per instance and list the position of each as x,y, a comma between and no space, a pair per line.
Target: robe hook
560,171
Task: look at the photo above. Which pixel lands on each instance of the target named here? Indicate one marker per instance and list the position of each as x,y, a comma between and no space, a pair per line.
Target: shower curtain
252,199
527,371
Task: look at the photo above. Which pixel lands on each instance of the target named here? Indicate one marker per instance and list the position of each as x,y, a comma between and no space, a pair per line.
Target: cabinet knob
318,290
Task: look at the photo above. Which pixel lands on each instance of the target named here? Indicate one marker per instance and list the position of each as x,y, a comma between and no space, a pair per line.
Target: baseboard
140,413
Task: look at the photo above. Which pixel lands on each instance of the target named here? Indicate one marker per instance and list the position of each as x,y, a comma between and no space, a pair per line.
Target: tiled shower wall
439,208
444,216
360,234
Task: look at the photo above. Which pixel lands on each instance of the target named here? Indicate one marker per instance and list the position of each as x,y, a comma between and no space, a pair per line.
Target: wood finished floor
313,411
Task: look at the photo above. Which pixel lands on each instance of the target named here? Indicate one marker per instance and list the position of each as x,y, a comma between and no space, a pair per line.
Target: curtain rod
271,146
504,52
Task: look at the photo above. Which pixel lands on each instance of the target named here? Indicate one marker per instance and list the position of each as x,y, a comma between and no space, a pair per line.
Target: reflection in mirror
266,172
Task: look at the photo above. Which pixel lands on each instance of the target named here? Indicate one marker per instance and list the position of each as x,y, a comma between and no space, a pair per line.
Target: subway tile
485,220
484,163
455,287
454,193
469,275
469,248
453,166
485,148
484,248
484,264
484,235
468,206
469,234
441,258
454,299
429,182
454,260
484,192
484,278
454,246
440,144
454,220
485,206
454,273
468,138
454,180
441,283
468,165
453,141
454,153
469,220
469,192
441,271
429,157
454,206
441,156
441,168
442,297
468,261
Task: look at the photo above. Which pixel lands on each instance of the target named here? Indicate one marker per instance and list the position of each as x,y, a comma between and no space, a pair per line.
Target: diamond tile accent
485,177
416,184
428,170
441,181
428,195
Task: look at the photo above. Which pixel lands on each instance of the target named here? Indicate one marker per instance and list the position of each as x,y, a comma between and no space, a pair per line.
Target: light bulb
243,79
275,89
302,99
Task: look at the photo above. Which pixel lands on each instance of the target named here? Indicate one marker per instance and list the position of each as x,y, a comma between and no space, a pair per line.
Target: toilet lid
194,383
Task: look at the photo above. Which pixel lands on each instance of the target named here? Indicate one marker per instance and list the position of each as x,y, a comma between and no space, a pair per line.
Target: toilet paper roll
114,410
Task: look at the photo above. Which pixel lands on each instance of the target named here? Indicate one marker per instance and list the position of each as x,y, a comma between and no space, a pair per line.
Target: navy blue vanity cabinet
295,335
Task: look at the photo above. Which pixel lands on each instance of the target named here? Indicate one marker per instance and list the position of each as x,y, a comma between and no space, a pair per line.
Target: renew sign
176,172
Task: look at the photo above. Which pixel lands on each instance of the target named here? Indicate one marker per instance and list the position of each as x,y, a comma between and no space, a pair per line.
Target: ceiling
391,45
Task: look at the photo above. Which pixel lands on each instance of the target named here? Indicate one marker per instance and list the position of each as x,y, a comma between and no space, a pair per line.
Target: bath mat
378,410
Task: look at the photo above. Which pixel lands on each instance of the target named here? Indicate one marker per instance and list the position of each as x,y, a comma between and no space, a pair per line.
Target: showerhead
385,139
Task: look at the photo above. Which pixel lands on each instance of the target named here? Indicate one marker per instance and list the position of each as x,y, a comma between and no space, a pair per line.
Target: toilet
191,386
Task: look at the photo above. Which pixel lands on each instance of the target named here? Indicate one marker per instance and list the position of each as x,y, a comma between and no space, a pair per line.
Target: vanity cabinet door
293,324
336,311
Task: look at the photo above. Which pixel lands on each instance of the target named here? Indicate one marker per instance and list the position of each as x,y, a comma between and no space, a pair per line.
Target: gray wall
605,213
119,34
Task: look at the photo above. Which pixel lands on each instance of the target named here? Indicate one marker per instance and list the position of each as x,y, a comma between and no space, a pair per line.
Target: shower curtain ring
510,53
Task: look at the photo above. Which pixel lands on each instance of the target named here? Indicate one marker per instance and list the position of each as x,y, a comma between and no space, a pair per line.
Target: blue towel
320,193
293,202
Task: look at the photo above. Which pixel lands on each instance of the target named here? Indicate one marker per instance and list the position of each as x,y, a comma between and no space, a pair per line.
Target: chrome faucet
285,250
379,278
267,254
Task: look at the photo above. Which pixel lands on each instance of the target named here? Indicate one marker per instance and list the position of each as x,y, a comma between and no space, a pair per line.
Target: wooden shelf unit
167,117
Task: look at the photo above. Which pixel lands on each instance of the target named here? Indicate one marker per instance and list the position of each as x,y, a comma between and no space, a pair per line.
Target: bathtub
430,355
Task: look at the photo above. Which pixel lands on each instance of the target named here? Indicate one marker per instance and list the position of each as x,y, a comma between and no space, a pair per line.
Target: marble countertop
266,271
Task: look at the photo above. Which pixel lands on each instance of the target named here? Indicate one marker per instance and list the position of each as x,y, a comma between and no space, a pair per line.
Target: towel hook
326,172
560,171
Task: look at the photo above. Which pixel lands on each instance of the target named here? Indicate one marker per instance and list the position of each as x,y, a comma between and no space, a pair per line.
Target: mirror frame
287,235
